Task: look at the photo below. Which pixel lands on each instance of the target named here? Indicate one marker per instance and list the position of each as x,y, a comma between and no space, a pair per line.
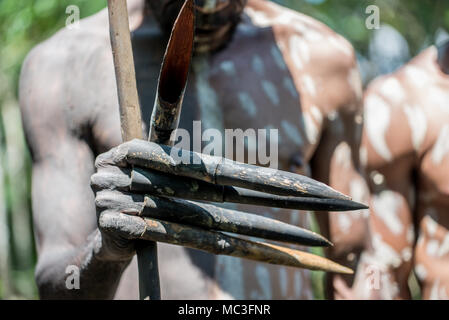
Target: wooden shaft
216,242
131,125
173,77
128,98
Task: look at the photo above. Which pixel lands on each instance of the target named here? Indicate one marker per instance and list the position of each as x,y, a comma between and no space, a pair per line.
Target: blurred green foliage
416,20
23,24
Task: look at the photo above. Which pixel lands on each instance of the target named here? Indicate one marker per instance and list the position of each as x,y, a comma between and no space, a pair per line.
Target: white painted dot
343,155
258,18
432,248
377,121
358,190
421,272
418,124
385,255
317,115
441,147
313,35
417,76
386,206
377,178
431,226
407,254
344,222
333,115
393,90
444,248
311,128
309,85
298,52
439,98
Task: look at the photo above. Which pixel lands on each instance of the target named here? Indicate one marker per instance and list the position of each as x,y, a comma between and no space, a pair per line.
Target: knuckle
103,199
114,157
121,225
120,202
94,180
104,159
112,178
105,221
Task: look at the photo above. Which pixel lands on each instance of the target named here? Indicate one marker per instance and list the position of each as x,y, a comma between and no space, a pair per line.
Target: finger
111,178
214,242
219,170
148,181
157,183
209,217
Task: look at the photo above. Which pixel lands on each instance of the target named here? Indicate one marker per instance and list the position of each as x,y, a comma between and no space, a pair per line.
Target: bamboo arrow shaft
131,126
130,117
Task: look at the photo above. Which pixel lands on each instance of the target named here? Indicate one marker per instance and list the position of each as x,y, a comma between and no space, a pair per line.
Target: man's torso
272,75
418,105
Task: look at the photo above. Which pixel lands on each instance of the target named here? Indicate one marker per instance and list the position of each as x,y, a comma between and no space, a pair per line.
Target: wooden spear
131,125
167,107
166,110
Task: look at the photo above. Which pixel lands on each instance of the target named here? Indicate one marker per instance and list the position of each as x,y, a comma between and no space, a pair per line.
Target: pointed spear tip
327,265
353,205
322,241
327,243
360,206
345,205
335,267
307,260
337,194
319,189
344,270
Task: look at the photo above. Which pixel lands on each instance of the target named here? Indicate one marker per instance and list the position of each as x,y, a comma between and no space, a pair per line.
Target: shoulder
66,45
315,54
54,75
294,27
395,127
400,100
57,57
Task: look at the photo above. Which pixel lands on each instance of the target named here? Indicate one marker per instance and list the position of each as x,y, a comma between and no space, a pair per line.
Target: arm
336,162
387,261
64,211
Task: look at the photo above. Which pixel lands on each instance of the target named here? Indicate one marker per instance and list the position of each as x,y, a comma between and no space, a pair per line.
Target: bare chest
245,90
434,164
249,87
